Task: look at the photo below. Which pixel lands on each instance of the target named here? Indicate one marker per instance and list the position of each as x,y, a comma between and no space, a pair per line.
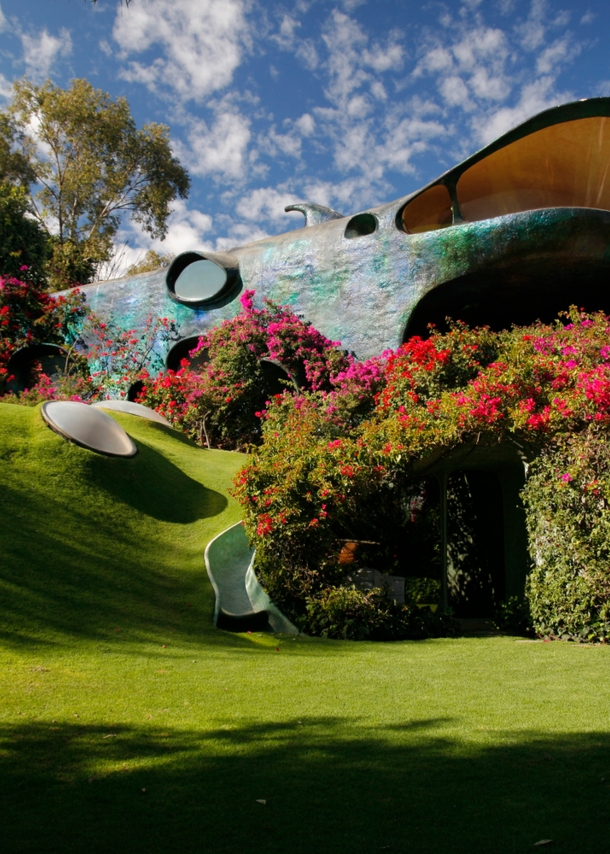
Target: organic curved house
518,231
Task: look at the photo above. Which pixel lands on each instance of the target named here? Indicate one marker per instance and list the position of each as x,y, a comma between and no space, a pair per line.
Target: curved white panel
88,427
132,408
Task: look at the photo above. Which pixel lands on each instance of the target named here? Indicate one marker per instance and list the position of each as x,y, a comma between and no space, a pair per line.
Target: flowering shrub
320,478
118,357
349,614
102,360
221,404
30,316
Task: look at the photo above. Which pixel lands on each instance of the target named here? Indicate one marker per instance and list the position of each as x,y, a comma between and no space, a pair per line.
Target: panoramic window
428,211
564,165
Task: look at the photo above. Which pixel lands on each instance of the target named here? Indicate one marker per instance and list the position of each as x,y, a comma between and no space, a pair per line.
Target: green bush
346,613
424,591
567,505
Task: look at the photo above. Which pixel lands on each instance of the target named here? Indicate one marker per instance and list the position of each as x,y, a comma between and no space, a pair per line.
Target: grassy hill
92,545
129,725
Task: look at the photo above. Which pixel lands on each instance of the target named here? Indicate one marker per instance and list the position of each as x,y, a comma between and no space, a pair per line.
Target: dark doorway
476,555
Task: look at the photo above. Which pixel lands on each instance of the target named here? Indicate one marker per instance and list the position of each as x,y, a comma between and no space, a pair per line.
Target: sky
347,103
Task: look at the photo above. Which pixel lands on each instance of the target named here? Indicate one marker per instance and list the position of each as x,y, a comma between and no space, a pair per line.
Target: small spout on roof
314,214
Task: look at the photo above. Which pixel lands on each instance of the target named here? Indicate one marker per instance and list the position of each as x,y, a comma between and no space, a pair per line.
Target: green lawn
128,724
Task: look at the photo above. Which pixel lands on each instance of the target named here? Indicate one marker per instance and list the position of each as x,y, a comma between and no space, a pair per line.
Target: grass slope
128,724
93,544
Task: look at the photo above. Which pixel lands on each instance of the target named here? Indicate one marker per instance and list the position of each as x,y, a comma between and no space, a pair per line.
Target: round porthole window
199,279
361,225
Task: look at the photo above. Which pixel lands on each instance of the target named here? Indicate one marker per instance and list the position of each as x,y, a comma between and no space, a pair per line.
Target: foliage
30,316
346,613
317,478
423,590
15,168
23,242
221,403
89,165
119,357
149,263
103,360
567,499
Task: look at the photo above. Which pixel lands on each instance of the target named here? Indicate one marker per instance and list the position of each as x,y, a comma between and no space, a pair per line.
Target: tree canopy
23,242
86,165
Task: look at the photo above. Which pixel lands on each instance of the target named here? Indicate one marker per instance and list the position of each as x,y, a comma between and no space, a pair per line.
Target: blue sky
348,103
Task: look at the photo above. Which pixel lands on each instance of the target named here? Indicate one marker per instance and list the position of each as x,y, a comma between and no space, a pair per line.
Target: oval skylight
132,408
201,280
88,427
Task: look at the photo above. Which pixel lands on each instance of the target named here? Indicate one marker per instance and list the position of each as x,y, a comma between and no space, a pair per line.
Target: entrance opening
476,521
476,575
521,293
254,622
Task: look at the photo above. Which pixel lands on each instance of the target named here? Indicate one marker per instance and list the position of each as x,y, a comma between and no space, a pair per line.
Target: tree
150,262
89,165
23,242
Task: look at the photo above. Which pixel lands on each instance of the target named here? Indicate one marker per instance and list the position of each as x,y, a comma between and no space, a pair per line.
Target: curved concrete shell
518,231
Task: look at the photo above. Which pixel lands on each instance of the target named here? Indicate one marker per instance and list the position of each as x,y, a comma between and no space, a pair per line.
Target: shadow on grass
328,787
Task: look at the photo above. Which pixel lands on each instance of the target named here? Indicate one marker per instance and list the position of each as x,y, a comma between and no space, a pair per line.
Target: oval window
361,225
429,211
201,281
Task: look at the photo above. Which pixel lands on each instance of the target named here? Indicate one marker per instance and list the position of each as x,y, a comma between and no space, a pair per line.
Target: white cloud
285,36
534,98
498,77
220,148
455,92
265,203
555,55
273,143
187,229
532,31
305,125
307,53
41,51
240,234
202,44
